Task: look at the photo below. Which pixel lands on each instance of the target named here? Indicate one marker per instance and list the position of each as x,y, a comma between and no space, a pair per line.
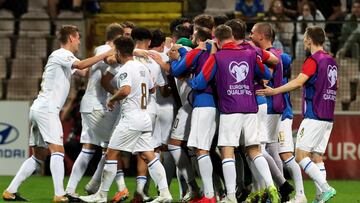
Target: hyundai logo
8,133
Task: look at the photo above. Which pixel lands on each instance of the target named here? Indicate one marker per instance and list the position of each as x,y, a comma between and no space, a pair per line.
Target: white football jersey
95,95
164,102
157,77
134,106
56,81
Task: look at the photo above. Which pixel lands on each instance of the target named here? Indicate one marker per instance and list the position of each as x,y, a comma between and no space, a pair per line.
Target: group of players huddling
230,88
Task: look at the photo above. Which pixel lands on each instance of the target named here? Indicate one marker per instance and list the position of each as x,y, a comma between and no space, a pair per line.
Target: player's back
133,107
95,95
56,81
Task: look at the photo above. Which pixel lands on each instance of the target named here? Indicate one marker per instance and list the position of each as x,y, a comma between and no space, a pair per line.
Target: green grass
40,189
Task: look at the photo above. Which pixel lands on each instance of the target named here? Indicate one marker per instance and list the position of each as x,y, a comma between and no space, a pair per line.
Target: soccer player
234,70
46,130
165,105
319,78
262,35
142,37
133,132
203,117
97,122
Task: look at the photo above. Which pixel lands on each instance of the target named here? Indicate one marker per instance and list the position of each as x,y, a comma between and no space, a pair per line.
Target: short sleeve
112,70
309,67
160,79
124,78
67,60
151,83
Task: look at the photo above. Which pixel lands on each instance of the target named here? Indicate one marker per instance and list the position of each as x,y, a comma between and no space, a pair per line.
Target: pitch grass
40,189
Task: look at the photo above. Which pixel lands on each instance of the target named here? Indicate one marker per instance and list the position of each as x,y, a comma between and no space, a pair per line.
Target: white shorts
97,127
162,128
313,135
262,119
203,126
273,126
232,125
286,141
45,128
132,141
181,126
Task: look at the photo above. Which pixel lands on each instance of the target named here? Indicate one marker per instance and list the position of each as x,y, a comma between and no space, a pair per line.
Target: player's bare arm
121,94
272,60
292,85
158,59
106,83
92,60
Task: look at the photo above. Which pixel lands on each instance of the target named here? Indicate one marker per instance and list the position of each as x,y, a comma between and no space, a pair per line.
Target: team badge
332,75
122,76
239,71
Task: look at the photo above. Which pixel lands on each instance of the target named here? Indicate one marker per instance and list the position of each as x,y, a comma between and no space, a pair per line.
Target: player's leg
252,141
313,136
156,169
286,154
29,166
39,149
179,135
203,126
229,137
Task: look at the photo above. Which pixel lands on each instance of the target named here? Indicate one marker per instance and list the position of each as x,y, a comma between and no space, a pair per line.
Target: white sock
228,166
274,170
157,155
26,170
169,165
296,175
263,169
314,172
157,173
258,181
183,164
78,169
96,178
321,166
57,172
183,187
206,171
108,175
120,180
140,184
273,149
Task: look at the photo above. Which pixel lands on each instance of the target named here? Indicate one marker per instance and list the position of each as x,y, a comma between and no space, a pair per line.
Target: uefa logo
8,133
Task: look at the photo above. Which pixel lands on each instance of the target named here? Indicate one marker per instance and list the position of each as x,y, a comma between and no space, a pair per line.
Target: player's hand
267,91
141,53
110,105
174,52
111,52
156,56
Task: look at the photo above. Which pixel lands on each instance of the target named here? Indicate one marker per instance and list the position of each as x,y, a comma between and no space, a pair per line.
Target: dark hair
157,39
223,32
203,34
316,34
220,20
238,28
178,21
204,20
65,31
265,29
128,24
182,32
113,30
124,45
141,33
